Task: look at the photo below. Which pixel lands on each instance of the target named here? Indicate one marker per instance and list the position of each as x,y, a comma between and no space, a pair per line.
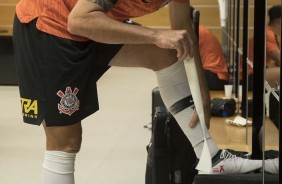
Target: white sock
58,167
176,95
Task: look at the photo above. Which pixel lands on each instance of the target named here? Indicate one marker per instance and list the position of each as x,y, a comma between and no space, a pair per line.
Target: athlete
75,42
272,45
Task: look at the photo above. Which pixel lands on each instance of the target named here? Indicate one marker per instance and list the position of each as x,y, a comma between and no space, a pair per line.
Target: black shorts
214,83
57,77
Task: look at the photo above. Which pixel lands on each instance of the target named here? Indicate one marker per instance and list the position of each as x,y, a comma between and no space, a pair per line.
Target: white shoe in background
238,121
271,166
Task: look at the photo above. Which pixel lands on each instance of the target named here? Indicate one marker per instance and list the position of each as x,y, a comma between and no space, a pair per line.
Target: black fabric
156,100
214,83
271,154
58,76
223,107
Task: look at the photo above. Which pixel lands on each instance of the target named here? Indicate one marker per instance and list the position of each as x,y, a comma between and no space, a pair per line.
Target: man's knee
162,59
72,146
67,138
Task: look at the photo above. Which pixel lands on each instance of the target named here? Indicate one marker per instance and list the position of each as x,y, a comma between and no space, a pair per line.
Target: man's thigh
144,55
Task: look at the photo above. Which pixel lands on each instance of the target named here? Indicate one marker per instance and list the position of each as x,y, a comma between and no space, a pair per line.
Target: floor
114,139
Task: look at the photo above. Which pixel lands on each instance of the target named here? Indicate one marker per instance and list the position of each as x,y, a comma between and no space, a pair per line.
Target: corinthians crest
69,102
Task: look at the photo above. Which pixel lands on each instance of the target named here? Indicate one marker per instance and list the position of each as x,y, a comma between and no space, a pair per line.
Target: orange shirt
271,45
53,14
212,54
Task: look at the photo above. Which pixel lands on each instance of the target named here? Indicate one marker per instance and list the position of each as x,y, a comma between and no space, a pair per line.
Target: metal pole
280,137
244,63
259,68
237,60
233,41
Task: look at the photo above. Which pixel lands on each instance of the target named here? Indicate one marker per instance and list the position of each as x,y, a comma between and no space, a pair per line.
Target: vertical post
259,72
280,136
233,40
228,36
245,81
244,59
237,60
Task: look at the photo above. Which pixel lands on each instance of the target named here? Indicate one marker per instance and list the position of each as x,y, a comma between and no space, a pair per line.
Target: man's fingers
186,48
184,43
179,40
194,120
180,51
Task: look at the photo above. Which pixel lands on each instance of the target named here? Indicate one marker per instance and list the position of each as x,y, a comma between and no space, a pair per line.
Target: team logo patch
69,102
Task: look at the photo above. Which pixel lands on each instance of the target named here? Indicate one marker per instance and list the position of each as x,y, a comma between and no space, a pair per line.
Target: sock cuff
59,162
171,67
172,75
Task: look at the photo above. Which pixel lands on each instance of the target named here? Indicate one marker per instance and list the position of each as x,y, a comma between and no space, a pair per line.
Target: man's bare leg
62,144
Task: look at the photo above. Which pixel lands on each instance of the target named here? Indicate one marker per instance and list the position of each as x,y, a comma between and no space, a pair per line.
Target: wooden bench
7,9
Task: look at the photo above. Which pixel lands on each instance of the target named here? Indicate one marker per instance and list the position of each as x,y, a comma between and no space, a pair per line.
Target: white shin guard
58,167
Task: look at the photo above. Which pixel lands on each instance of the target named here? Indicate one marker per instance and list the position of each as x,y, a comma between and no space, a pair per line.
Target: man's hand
179,40
195,119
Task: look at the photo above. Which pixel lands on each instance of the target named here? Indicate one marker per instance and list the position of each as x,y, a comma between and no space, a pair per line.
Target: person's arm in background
180,19
89,19
272,48
275,56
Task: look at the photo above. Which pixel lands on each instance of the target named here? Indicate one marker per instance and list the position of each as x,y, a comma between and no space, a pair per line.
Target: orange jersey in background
271,45
212,54
53,14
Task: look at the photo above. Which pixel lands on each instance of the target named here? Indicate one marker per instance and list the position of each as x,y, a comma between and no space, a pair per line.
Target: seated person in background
273,58
213,59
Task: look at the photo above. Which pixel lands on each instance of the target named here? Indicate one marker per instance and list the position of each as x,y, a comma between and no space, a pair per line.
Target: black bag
223,107
171,158
156,101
